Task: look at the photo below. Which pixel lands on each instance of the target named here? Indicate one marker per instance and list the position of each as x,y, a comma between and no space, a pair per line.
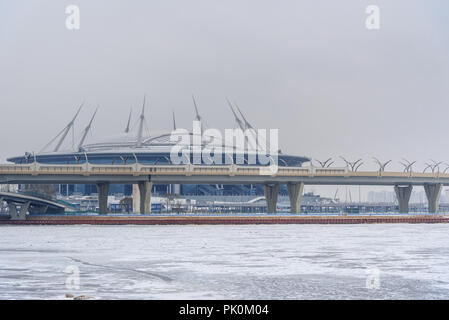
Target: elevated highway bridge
144,176
19,204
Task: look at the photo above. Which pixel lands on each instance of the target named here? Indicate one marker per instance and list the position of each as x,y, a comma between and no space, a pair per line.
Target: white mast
86,131
249,127
141,123
247,124
63,133
129,120
174,121
67,129
197,114
237,119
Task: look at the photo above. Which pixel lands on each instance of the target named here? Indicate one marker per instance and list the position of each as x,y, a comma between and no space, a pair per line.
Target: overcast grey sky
309,68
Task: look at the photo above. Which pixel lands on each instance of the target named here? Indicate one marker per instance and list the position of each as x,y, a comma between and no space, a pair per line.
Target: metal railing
137,169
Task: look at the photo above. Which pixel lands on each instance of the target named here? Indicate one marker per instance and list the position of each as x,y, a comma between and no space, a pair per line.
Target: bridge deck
23,198
198,174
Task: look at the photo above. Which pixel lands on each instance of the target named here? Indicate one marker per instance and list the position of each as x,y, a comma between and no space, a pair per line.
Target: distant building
381,196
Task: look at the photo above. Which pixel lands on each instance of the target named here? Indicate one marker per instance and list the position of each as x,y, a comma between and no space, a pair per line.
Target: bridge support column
295,194
142,197
271,196
136,199
403,194
21,213
433,192
103,191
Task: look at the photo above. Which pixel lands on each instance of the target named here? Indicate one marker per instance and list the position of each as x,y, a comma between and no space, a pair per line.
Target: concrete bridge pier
271,196
103,191
142,197
403,194
18,214
295,194
433,192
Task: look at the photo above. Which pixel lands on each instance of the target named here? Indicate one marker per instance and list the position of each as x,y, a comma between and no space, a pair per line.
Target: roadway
201,174
144,176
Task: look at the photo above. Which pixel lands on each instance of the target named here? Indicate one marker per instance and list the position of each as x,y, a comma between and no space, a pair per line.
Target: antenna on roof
174,120
63,133
129,120
141,123
86,131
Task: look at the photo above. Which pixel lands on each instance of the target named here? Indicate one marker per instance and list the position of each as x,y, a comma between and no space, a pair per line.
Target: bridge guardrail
189,169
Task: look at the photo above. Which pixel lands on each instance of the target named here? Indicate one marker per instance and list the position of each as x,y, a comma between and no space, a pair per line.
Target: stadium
138,145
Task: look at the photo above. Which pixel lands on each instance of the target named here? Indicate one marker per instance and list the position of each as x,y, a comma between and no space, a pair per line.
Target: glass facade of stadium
148,157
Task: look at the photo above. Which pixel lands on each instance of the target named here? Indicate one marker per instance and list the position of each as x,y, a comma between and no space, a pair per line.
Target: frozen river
396,261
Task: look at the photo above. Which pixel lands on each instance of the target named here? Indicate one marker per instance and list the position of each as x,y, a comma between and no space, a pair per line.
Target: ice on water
226,262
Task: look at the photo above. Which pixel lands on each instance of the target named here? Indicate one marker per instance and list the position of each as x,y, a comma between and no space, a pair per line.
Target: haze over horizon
311,69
